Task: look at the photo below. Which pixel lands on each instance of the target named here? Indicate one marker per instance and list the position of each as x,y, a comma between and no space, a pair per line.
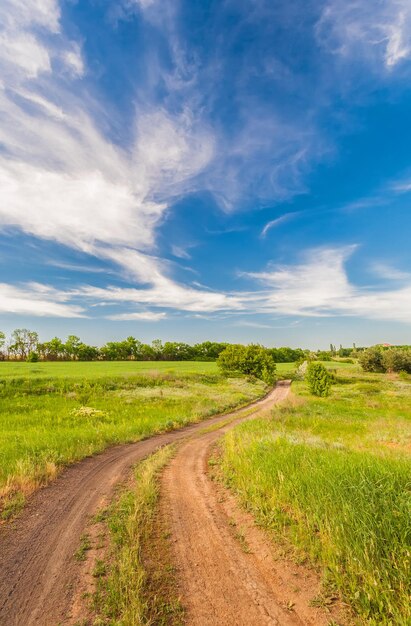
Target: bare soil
228,570
38,571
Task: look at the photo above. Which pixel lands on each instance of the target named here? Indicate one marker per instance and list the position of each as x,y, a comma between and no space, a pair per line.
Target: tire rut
220,582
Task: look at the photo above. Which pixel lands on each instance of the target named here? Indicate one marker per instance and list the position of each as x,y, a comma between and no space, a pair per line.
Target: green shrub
33,357
395,360
318,379
371,360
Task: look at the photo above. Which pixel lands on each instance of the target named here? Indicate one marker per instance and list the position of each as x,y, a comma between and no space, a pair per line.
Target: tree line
25,345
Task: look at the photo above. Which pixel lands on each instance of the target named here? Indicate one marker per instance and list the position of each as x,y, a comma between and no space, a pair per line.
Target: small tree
32,357
252,360
318,379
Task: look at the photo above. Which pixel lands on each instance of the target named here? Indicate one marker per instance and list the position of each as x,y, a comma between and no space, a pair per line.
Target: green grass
98,369
332,479
123,596
49,418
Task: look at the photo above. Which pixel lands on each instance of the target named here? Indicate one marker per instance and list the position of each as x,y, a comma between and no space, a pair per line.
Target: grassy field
331,478
55,413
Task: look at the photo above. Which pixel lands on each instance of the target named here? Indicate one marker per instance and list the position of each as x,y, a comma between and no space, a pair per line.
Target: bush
318,379
371,360
252,360
395,360
33,357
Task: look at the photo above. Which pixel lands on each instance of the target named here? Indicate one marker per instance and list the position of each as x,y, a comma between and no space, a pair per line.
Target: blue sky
233,170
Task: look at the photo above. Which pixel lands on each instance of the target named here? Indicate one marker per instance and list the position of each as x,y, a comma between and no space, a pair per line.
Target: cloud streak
367,30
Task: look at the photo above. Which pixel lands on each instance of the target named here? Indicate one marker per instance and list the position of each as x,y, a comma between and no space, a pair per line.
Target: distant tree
177,351
157,346
371,360
253,360
24,341
71,346
135,348
86,353
318,379
208,350
2,342
52,350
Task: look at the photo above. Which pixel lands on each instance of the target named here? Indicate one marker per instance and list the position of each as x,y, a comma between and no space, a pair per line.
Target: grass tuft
122,595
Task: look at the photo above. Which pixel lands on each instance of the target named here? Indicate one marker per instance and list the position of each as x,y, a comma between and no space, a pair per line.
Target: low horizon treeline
24,345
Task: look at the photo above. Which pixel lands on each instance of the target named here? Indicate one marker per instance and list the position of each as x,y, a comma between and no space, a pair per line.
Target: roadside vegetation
124,592
330,477
49,417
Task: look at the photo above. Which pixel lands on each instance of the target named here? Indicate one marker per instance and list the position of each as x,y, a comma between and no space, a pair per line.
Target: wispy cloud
367,30
319,286
277,222
142,316
37,300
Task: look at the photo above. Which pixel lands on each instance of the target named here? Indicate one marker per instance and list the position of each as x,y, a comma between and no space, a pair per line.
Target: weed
85,545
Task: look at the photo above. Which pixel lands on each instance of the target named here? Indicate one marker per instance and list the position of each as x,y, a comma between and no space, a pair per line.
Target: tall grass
344,505
121,597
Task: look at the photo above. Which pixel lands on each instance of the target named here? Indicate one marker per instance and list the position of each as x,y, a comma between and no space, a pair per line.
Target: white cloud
378,32
37,300
142,316
23,53
61,179
73,60
277,222
319,287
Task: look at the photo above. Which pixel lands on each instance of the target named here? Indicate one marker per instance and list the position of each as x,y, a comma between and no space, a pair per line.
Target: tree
87,353
71,346
371,360
24,341
52,350
318,379
253,360
2,342
208,350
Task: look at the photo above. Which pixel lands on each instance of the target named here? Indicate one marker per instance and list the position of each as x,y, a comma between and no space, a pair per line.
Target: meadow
52,414
330,478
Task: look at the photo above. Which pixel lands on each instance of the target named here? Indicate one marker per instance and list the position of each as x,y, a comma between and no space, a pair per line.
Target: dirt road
228,574
37,568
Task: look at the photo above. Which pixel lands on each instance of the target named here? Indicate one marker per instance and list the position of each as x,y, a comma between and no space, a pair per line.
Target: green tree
318,379
253,360
24,341
2,342
71,346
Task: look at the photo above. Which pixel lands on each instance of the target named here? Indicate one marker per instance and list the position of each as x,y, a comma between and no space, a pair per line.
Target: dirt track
227,571
37,568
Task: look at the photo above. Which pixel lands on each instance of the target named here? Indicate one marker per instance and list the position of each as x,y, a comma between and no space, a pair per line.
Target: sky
234,170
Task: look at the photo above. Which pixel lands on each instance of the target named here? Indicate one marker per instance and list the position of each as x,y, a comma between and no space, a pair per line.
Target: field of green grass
52,414
331,479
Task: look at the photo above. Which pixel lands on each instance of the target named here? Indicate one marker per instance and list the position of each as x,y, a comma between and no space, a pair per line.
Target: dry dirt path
226,569
37,570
